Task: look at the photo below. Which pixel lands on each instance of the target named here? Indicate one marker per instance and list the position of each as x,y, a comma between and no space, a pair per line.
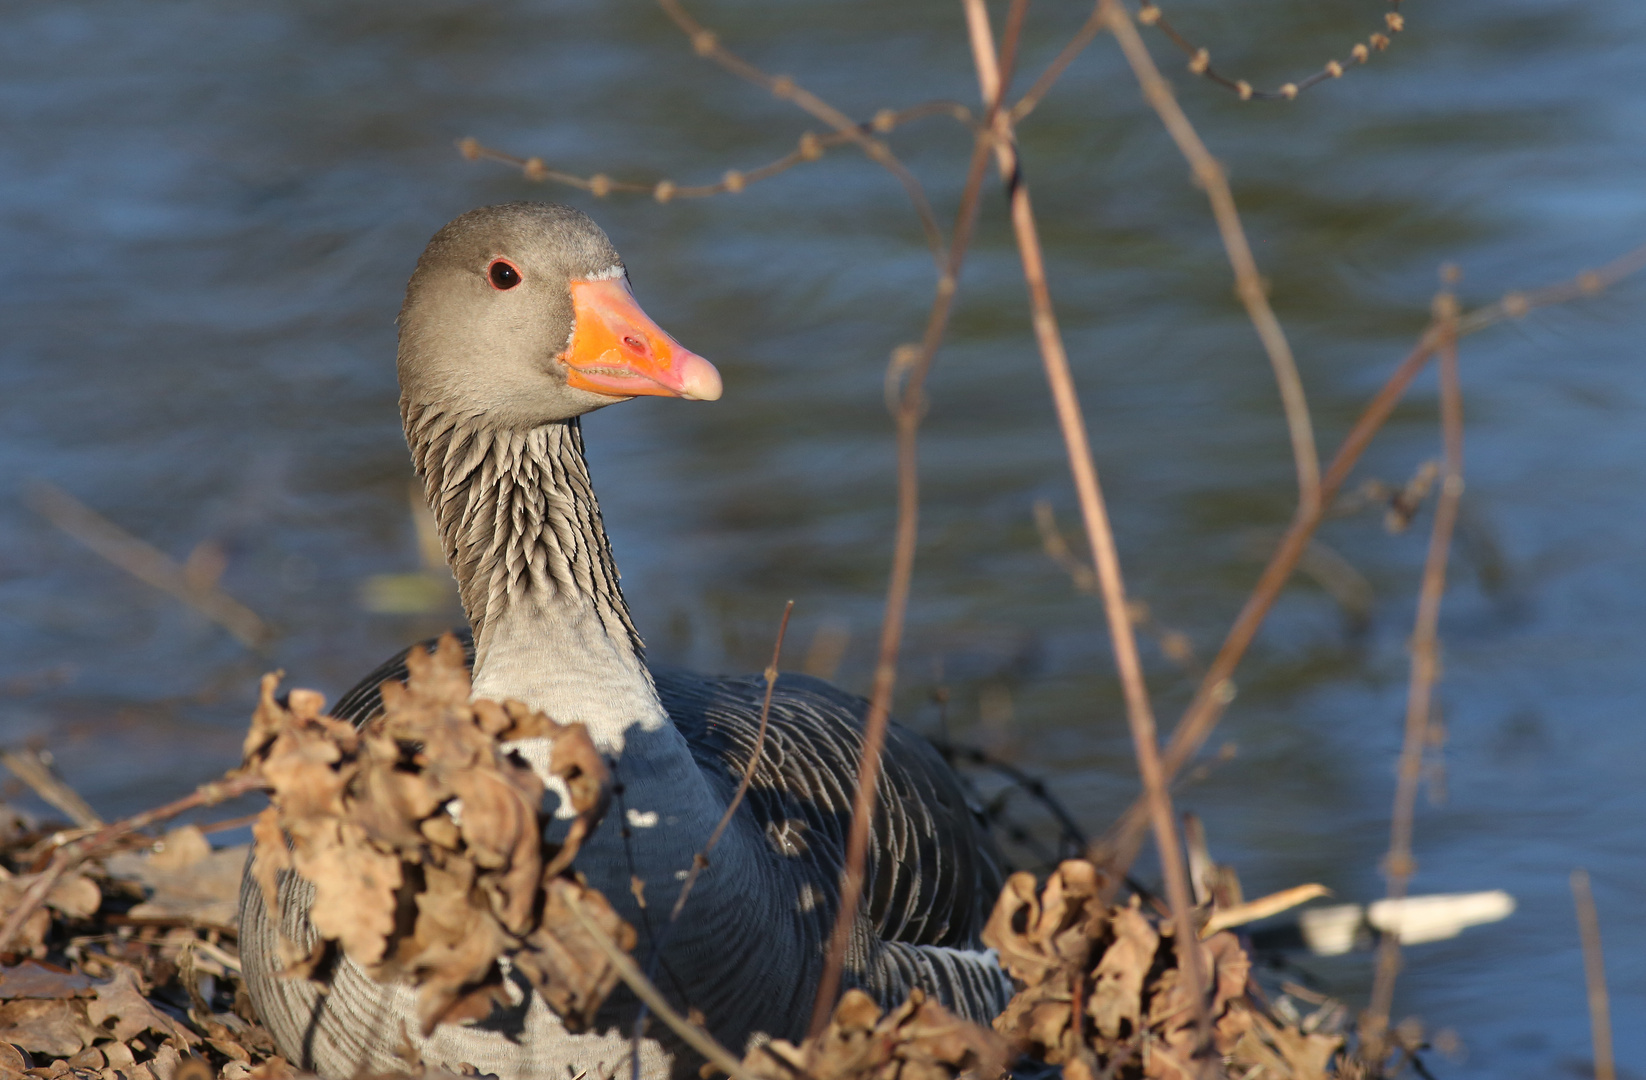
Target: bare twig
1425,669
706,43
112,836
1200,59
147,563
910,409
1216,687
1060,63
992,76
1594,972
29,767
1248,282
1173,643
1263,907
811,148
693,1035
701,860
1514,305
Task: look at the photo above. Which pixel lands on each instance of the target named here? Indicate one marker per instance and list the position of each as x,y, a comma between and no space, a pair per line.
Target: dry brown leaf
562,961
427,803
180,849
1039,933
185,878
57,1028
1136,1015
121,1000
76,896
576,761
1283,1051
276,1068
354,887
33,979
166,1062
31,936
918,1040
12,1059
1115,1005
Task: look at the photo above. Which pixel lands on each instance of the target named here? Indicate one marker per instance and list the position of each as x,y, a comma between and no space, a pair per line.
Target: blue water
208,210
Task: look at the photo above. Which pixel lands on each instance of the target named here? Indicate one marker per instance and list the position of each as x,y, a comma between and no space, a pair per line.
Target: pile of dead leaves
428,802
918,1040
128,972
1102,994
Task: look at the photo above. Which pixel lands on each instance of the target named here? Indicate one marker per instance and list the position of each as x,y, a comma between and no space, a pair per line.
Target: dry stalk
701,859
644,989
1216,687
31,767
111,836
910,409
811,148
147,563
1594,972
1200,59
1425,669
1076,45
706,43
1248,282
992,75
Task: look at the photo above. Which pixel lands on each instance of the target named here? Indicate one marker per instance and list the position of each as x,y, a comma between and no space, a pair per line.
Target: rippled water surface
209,210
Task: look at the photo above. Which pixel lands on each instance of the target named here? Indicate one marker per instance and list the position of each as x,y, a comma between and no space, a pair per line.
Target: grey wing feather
933,871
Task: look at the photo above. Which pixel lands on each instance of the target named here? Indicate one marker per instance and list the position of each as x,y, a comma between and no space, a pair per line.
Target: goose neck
521,529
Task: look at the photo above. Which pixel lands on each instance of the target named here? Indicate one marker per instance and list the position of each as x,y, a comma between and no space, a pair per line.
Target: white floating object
1339,928
1417,919
1332,930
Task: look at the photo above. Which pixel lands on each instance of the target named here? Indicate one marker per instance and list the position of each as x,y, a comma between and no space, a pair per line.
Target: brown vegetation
1107,989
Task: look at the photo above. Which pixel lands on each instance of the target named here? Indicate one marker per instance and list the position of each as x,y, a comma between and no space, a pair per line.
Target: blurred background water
208,212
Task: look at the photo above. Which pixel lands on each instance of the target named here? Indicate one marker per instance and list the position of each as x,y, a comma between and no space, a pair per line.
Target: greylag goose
517,320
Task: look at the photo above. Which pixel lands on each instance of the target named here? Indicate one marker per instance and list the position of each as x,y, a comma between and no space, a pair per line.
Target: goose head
522,314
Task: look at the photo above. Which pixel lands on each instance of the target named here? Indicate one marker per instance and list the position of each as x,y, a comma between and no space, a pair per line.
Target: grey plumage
491,415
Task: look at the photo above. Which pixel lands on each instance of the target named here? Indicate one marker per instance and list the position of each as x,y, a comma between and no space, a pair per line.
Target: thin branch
147,563
700,861
811,148
1594,972
910,409
644,989
1060,63
112,836
1217,688
1248,282
754,760
706,43
1425,669
1105,557
31,768
1200,59
1515,305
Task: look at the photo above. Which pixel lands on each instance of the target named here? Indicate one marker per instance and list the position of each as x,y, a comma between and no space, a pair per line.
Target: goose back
933,871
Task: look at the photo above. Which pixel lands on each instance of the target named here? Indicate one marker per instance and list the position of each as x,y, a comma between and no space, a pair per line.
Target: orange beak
616,350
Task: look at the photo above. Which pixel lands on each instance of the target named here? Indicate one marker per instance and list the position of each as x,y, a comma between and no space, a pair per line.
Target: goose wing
933,871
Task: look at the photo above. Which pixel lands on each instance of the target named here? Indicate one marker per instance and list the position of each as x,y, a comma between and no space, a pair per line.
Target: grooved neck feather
522,532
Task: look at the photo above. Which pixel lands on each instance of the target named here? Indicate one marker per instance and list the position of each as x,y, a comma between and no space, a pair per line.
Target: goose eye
503,274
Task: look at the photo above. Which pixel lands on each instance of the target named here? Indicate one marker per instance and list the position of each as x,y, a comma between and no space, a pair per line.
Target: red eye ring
503,274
